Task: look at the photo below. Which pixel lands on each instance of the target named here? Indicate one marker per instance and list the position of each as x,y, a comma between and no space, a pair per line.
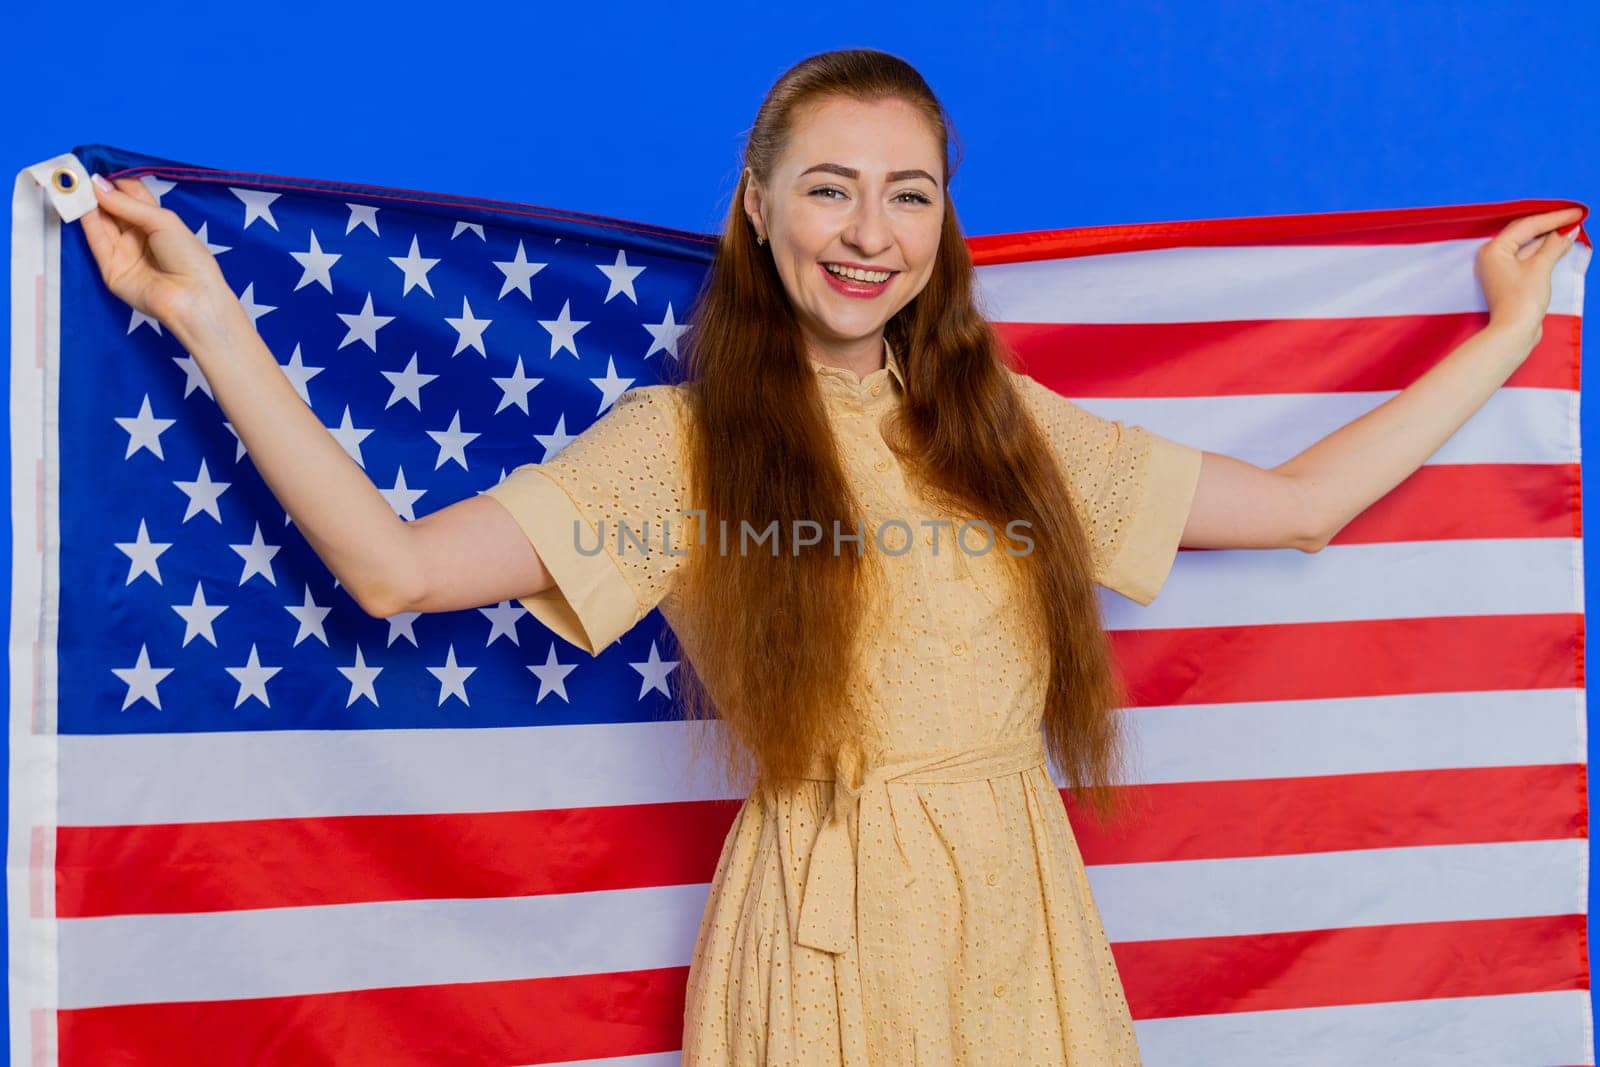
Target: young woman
902,885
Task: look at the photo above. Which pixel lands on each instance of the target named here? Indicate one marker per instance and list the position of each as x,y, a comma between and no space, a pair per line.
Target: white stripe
1355,735
1522,425
1342,583
35,256
292,951
1524,1028
288,951
1322,890
201,777
1232,283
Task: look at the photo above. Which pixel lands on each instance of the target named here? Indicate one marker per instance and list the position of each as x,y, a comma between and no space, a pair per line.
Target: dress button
999,989
877,388
881,465
993,878
958,647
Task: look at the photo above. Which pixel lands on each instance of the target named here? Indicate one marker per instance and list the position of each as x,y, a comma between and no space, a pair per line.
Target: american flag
251,824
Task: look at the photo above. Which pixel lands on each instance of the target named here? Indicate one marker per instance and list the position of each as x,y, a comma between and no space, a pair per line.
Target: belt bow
840,868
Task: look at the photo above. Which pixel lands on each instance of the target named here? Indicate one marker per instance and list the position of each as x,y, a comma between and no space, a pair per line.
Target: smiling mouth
856,274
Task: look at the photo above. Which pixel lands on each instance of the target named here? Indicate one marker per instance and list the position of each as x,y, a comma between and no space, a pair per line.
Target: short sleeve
1133,488
604,514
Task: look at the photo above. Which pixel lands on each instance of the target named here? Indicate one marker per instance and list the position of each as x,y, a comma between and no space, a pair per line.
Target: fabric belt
841,868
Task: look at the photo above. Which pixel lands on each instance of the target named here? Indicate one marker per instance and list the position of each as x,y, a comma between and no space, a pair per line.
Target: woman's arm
1303,502
465,555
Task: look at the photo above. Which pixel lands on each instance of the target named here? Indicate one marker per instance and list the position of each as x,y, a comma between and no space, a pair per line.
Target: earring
760,240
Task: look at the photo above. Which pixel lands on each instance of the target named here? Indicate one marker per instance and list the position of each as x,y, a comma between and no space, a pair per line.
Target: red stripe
1353,965
1398,227
538,1020
207,867
273,863
1242,358
1331,813
1473,501
1311,661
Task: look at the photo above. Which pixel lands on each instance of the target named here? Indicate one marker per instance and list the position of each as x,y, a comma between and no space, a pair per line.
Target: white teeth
873,276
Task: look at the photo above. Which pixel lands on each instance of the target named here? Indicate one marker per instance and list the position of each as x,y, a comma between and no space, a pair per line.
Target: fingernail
100,181
1572,234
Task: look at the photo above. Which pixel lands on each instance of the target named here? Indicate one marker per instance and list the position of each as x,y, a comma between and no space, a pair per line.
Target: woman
902,885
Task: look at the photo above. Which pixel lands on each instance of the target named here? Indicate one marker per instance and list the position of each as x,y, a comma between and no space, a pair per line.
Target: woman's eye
916,198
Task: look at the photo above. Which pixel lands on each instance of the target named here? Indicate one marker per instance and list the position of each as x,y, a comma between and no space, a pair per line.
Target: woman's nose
869,229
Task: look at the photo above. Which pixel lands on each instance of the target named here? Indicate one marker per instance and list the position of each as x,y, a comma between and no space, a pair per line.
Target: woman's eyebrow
852,173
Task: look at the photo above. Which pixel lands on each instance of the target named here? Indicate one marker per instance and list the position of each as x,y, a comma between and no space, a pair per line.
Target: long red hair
770,642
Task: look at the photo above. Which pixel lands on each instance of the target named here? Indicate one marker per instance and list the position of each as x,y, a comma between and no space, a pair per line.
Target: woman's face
858,186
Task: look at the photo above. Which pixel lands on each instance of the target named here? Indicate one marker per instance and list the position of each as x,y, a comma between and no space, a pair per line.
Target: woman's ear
752,203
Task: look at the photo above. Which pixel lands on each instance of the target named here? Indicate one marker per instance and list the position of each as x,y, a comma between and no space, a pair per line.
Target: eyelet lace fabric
931,908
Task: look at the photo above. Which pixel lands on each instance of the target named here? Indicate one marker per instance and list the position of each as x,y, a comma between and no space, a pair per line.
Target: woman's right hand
151,259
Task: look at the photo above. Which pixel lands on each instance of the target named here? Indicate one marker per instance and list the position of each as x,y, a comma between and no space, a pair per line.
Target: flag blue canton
442,344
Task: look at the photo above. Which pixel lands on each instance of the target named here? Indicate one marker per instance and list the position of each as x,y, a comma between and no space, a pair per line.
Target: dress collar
890,369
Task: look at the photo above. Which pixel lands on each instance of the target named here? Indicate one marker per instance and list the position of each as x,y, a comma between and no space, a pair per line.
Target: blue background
1070,114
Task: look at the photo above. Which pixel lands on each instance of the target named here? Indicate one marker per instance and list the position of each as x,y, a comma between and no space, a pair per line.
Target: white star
193,376
141,680
362,215
610,386
463,227
364,326
503,619
416,269
158,187
253,309
664,335
407,384
142,555
552,676
452,678
653,673
309,615
257,205
350,438
360,676
517,272
144,430
563,331
402,498
469,331
514,390
252,679
621,277
202,494
317,265
557,439
401,624
299,374
238,443
452,442
215,250
257,557
139,318
198,616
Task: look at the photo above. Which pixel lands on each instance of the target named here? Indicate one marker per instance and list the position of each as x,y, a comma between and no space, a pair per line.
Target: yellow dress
935,911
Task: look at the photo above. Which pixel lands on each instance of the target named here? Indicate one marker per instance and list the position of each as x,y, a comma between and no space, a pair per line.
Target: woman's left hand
1514,268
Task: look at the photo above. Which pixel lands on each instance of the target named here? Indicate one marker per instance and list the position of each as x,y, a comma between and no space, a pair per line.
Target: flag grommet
65,181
